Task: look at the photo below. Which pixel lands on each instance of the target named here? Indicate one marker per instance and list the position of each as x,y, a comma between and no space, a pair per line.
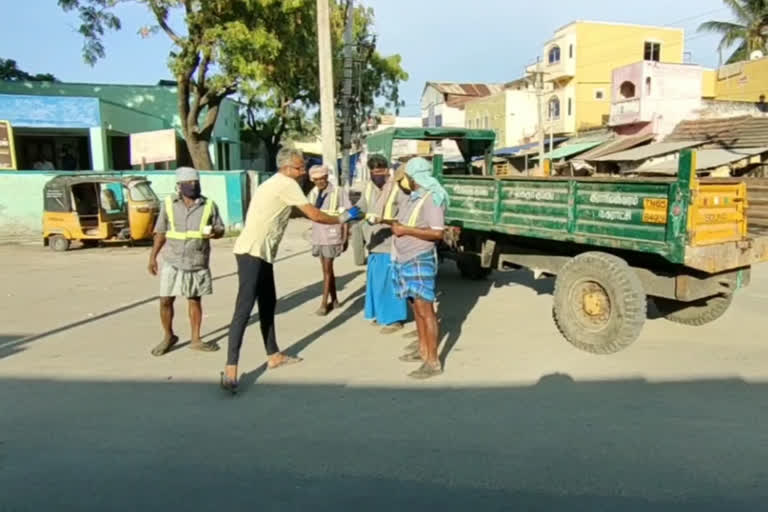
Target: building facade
579,60
653,97
89,125
511,113
742,81
442,103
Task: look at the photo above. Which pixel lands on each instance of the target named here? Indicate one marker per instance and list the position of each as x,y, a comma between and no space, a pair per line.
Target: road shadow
354,306
459,296
9,347
623,445
289,302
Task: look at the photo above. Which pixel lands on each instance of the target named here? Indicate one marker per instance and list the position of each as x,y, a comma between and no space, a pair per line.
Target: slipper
204,347
228,385
165,346
414,345
285,361
426,371
411,357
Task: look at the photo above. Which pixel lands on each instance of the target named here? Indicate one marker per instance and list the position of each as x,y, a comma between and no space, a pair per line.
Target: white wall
675,94
521,116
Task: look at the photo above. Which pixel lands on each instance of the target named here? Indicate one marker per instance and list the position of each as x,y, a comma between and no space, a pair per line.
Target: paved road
520,421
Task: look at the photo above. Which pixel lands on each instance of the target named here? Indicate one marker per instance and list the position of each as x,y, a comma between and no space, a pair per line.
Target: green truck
612,243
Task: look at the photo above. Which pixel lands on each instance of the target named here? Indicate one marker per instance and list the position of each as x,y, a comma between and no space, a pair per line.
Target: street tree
284,101
748,32
9,70
218,45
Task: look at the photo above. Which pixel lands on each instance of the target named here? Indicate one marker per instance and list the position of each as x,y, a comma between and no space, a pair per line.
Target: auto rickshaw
97,210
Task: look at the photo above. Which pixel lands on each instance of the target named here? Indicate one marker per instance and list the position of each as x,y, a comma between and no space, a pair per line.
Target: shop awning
571,149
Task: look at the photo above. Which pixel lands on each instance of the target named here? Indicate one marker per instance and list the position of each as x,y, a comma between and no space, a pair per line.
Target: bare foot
280,359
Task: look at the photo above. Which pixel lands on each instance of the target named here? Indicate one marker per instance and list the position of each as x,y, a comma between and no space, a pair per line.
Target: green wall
21,198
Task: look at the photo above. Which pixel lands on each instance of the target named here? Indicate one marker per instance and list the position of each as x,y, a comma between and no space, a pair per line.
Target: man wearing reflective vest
419,227
328,240
187,222
380,199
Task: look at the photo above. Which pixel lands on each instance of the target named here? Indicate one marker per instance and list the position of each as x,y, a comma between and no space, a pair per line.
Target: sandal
284,361
204,347
229,385
411,357
426,371
165,346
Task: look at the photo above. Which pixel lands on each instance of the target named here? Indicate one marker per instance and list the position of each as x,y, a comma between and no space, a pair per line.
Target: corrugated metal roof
621,143
732,132
570,150
649,151
514,150
476,89
705,159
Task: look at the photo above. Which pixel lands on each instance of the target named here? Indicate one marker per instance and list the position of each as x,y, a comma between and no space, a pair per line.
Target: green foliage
281,102
9,71
749,31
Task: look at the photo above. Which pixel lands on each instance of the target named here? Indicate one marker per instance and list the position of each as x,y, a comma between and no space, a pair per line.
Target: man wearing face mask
185,225
380,199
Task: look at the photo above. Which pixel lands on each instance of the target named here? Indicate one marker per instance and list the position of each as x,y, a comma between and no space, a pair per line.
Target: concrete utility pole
327,112
346,141
539,92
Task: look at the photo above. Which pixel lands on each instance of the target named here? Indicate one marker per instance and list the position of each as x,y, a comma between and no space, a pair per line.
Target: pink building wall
664,95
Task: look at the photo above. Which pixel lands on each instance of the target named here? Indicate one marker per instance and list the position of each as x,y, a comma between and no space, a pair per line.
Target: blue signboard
49,111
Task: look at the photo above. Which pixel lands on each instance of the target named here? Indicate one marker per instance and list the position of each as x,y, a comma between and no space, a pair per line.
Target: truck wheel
357,244
470,267
58,243
600,304
696,313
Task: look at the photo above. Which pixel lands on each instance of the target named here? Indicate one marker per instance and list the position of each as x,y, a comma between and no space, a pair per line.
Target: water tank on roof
757,54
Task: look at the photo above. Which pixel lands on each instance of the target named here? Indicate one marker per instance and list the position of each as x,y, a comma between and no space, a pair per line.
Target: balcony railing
625,111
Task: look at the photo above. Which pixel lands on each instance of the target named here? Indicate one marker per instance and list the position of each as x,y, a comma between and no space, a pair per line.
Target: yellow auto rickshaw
97,210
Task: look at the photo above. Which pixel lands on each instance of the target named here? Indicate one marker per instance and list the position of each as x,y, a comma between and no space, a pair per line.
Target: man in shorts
187,222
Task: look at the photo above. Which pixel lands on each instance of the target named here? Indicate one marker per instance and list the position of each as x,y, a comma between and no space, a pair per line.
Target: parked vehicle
610,242
97,210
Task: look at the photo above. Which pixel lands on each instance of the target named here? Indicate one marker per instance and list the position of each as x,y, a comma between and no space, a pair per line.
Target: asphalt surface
520,420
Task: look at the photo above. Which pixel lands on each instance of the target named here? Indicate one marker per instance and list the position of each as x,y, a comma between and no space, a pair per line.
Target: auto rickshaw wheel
58,243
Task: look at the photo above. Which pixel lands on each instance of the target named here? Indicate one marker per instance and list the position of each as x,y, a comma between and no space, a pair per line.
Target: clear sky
442,40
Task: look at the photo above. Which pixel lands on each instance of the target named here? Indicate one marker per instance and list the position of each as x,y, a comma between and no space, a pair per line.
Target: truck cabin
453,151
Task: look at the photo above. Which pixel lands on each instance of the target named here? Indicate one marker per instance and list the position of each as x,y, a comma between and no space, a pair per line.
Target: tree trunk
198,150
272,150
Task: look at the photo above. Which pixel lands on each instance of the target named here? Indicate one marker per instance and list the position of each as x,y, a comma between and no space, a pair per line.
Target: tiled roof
732,132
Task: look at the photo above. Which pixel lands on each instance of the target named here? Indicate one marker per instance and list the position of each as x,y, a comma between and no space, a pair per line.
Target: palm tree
749,31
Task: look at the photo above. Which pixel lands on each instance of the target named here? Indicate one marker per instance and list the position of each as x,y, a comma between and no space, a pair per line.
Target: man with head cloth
185,225
328,240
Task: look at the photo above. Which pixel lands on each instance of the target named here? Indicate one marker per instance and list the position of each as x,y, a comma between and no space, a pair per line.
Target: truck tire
58,243
696,313
600,305
357,244
470,268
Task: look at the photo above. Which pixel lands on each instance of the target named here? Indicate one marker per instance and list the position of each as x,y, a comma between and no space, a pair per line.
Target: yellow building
578,61
742,81
510,113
